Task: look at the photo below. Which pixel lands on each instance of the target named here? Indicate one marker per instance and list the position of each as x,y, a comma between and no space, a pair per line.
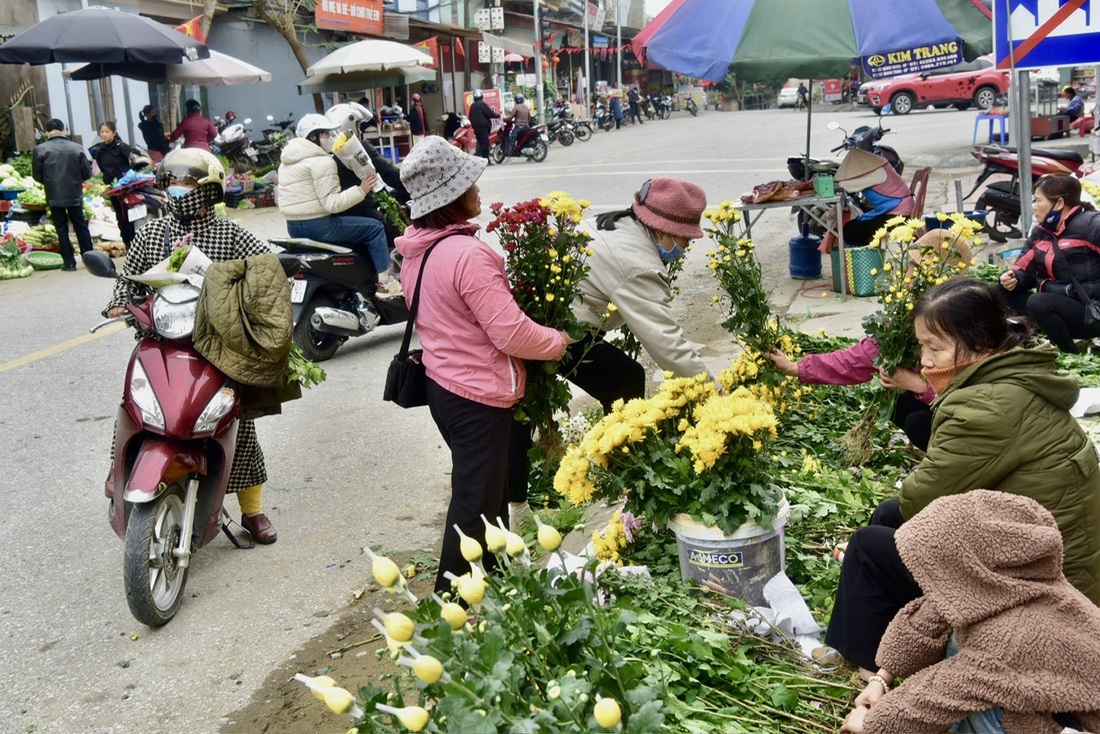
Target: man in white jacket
311,199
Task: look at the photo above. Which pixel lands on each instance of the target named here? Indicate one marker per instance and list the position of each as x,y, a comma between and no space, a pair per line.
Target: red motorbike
175,436
532,143
1003,197
465,140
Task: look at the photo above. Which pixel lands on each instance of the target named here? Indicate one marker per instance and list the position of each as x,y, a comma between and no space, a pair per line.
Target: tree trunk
284,24
208,7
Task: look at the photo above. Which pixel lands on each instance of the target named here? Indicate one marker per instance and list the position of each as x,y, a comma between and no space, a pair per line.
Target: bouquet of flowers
687,450
749,316
911,266
546,255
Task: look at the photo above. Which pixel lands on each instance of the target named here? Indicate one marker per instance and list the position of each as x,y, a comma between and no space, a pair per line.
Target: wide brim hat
860,170
435,173
946,245
671,205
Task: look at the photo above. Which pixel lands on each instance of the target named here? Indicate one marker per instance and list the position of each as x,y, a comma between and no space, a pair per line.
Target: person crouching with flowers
473,333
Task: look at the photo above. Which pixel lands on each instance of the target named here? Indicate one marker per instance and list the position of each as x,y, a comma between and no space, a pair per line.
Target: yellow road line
63,346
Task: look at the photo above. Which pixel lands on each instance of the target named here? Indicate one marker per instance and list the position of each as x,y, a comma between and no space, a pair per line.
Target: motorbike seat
1058,155
304,244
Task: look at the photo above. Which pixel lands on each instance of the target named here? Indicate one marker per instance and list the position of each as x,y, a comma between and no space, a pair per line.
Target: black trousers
482,136
61,216
914,418
858,232
478,436
125,226
874,586
1060,317
603,371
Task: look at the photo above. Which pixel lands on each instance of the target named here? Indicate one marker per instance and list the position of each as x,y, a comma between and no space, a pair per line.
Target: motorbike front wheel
496,154
541,149
316,345
583,132
154,582
566,137
606,124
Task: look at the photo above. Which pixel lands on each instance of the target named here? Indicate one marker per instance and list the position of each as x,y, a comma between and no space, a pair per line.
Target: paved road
346,470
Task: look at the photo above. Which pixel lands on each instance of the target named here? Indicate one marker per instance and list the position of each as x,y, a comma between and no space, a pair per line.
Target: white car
788,97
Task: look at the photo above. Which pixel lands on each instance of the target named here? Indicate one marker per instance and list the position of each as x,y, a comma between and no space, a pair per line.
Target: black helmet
478,94
193,106
519,99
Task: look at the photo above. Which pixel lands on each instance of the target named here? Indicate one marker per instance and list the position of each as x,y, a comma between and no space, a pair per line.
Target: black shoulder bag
406,379
1092,308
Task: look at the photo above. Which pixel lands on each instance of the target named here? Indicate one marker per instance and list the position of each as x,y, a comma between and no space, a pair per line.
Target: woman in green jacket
1001,421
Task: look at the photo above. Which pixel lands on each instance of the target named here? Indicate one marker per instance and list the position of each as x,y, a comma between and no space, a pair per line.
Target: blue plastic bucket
805,263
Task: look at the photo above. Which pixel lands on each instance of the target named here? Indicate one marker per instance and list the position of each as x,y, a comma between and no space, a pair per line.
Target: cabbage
11,182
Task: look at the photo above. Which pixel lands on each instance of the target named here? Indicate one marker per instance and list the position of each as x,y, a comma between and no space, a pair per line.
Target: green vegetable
300,369
175,260
34,196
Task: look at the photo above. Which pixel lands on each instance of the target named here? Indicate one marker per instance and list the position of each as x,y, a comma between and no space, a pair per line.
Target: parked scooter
234,143
532,143
581,129
604,119
1003,197
175,436
558,130
334,296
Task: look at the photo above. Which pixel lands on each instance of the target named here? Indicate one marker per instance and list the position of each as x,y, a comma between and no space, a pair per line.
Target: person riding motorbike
194,180
481,120
521,121
352,117
315,205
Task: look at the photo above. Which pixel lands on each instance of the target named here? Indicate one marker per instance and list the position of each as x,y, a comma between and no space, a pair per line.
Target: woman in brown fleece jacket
1028,643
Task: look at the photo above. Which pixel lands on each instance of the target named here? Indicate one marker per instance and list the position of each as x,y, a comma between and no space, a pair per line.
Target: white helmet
348,115
312,123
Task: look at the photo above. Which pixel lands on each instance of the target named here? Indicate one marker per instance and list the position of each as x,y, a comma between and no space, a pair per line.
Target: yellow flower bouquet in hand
687,450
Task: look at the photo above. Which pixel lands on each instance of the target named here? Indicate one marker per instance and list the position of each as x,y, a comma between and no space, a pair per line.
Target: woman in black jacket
152,129
1064,245
113,158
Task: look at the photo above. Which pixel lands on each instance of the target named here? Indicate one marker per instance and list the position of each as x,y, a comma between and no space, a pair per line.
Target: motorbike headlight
218,407
143,396
174,311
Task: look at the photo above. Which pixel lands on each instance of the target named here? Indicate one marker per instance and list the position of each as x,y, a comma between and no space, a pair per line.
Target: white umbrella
369,55
219,69
357,80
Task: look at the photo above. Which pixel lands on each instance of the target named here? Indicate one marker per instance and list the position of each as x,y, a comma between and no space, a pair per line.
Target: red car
974,83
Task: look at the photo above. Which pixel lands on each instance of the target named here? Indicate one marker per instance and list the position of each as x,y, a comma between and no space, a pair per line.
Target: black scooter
334,295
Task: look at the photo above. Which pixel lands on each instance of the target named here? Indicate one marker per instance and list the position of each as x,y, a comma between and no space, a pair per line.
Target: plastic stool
991,119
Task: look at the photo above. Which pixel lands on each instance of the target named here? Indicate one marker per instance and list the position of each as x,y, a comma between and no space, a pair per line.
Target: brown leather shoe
260,528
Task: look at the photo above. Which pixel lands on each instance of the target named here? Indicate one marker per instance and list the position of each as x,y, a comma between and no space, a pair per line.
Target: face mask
1051,220
672,255
327,143
178,192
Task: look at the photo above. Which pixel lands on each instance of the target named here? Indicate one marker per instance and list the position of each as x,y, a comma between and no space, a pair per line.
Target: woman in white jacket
311,199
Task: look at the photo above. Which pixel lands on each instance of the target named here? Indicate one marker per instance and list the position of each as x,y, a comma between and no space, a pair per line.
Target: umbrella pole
809,117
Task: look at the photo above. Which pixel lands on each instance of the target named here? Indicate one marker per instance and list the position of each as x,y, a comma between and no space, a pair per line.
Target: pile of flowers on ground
546,255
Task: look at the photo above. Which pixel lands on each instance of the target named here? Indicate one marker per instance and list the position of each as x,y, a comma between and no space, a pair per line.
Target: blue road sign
1045,33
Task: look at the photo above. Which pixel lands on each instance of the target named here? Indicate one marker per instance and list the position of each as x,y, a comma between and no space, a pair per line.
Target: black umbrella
101,36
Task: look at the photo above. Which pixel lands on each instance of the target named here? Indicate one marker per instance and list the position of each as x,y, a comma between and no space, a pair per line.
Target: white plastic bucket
738,565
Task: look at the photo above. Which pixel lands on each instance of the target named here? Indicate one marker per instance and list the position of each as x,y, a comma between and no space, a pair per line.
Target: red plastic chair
918,189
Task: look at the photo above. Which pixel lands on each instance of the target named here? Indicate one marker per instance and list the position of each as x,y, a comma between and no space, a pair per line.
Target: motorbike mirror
832,125
270,118
247,120
98,264
886,110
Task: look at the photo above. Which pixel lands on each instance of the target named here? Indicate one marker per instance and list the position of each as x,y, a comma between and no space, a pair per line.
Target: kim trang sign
913,60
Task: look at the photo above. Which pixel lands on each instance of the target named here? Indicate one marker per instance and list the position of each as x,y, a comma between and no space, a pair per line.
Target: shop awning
518,40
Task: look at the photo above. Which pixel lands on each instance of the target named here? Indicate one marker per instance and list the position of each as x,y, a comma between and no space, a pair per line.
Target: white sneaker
390,288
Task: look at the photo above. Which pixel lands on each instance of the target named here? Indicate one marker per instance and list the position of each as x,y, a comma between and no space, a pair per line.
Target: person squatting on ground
1064,246
61,167
473,333
882,188
113,158
195,181
481,120
998,641
196,130
631,248
856,364
315,206
520,118
1001,422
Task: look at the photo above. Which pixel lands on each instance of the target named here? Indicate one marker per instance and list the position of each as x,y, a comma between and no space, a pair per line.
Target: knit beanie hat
437,173
671,205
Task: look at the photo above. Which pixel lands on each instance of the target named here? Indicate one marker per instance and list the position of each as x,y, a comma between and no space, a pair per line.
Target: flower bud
607,713
386,572
549,538
515,545
454,614
339,700
495,539
413,718
428,669
470,548
399,627
470,589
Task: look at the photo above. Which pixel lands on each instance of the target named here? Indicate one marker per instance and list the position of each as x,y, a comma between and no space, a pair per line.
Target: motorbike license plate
137,212
297,291
545,137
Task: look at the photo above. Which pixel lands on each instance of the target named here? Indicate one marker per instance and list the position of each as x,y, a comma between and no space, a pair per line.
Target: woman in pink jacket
474,336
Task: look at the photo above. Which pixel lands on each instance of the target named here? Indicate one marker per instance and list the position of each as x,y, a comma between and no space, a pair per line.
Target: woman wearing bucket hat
880,185
627,284
314,205
473,333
